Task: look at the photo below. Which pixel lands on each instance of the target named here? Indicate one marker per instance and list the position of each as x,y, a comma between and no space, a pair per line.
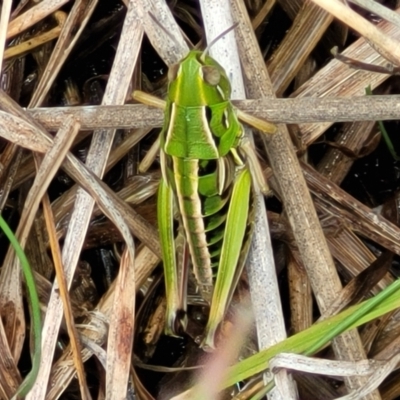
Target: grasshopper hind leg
233,254
175,281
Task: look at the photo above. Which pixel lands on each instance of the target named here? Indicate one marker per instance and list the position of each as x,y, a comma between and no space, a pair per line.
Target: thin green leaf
30,379
319,334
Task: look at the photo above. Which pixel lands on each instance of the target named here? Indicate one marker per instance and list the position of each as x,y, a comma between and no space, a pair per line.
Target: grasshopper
208,166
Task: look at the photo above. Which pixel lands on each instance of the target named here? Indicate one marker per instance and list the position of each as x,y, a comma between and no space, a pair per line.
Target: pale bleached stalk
386,45
5,16
296,198
164,35
320,366
298,110
374,370
261,267
373,381
378,9
117,86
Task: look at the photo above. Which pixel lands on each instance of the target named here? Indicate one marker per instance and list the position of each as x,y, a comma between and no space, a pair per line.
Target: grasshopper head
204,83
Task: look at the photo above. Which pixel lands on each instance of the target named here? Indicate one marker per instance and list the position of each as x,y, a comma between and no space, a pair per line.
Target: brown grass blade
62,371
37,41
11,294
300,296
69,318
9,375
385,44
11,159
351,252
76,21
355,214
120,336
96,160
338,79
362,284
307,29
32,16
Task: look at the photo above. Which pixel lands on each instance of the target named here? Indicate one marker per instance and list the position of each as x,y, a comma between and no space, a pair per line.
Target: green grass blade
30,379
319,334
364,308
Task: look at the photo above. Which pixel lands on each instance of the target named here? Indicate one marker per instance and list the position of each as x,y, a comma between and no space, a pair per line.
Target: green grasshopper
205,161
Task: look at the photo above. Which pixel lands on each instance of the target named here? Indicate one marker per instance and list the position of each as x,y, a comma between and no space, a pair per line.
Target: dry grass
321,230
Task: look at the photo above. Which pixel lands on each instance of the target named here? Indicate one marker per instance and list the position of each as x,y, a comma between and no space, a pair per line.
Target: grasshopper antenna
215,40
169,34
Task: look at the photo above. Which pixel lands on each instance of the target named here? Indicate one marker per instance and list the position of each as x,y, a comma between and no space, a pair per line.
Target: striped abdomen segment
202,213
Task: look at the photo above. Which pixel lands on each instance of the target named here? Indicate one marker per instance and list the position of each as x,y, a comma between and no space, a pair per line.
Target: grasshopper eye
173,72
211,75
